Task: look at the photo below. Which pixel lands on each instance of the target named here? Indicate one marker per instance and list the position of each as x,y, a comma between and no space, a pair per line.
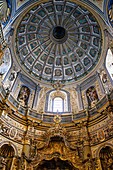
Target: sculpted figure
5,10
111,13
24,95
92,96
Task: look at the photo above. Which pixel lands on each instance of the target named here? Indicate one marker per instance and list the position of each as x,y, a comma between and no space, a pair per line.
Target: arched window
58,104
57,101
109,63
5,63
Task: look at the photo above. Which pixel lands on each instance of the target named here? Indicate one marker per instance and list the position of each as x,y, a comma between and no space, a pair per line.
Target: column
86,145
26,141
26,147
86,148
14,163
79,97
36,95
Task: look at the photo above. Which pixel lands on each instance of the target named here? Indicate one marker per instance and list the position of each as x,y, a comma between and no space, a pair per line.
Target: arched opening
109,63
7,152
5,63
55,164
57,101
57,138
106,158
58,104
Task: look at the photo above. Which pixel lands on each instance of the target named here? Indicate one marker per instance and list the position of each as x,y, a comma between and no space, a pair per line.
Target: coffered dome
58,41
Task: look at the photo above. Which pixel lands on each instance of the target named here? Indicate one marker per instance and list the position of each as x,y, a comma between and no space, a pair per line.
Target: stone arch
7,150
57,147
57,93
7,153
109,63
55,163
7,143
106,158
103,146
5,63
76,164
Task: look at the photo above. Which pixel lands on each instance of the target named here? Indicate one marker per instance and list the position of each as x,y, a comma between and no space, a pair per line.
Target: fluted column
79,97
26,142
36,95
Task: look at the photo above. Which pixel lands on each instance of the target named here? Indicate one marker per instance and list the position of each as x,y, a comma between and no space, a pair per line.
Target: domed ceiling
58,41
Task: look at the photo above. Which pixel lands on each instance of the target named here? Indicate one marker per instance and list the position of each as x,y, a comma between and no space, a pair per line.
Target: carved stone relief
106,82
42,99
73,101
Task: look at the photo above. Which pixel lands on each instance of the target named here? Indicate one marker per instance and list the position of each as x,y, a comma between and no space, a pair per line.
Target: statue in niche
105,81
5,10
12,76
104,77
5,62
24,95
111,11
92,96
